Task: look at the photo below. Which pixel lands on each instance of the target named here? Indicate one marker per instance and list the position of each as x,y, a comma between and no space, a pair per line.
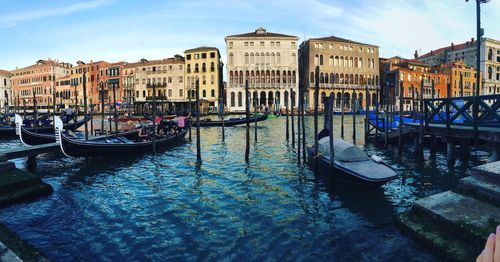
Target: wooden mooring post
386,119
299,108
102,107
287,134
421,118
247,115
400,127
342,101
190,108
330,130
154,117
302,98
367,127
85,103
377,102
316,102
354,109
198,135
413,103
292,114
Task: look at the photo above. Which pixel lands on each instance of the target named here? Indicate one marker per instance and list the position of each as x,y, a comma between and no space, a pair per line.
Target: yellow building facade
203,64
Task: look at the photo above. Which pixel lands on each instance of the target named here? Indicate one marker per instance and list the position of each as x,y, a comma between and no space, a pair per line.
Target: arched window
233,100
240,99
212,67
252,60
321,78
196,69
351,64
316,59
262,58
336,61
257,58
204,80
212,79
341,62
360,62
356,62
203,67
268,58
490,73
204,93
330,61
246,58
189,68
321,60
278,59
212,93
311,79
230,58
332,78
273,58
336,78
490,54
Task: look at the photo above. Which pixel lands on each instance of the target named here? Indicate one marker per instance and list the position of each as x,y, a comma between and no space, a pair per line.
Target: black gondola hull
231,122
78,148
11,130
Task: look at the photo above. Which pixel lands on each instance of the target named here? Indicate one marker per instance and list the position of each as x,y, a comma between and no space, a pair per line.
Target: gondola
352,164
30,138
11,131
231,122
119,145
151,117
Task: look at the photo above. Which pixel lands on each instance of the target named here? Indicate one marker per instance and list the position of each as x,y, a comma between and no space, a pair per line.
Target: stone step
15,179
481,187
5,166
470,219
444,244
490,171
28,193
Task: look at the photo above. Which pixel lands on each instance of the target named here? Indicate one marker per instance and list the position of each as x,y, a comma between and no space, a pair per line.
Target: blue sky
127,30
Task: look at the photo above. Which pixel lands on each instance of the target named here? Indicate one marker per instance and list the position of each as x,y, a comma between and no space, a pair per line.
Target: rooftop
4,72
202,48
261,32
452,46
338,39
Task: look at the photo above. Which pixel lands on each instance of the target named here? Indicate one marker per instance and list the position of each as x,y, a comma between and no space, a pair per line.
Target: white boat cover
344,151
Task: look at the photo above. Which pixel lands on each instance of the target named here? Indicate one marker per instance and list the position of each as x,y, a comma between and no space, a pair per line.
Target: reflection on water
162,207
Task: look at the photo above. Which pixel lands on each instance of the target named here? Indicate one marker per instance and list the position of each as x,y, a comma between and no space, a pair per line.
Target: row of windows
490,73
203,68
269,77
344,61
345,47
203,56
417,79
158,80
262,58
352,79
192,81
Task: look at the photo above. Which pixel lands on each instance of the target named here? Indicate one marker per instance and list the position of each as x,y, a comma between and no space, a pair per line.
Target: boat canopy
344,151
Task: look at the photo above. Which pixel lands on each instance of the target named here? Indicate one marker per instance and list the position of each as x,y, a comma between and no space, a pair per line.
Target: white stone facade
5,90
269,62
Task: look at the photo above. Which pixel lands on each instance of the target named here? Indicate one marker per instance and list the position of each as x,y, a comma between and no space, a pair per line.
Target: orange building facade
38,82
468,74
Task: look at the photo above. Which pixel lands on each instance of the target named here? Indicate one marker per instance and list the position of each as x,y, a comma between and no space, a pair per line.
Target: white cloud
13,19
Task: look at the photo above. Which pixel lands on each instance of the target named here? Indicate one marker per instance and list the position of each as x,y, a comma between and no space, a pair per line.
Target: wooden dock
31,151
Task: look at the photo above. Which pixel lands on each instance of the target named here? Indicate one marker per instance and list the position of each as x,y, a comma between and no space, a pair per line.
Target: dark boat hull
78,148
341,173
231,122
32,138
11,131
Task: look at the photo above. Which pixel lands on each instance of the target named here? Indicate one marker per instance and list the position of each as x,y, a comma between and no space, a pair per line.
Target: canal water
163,207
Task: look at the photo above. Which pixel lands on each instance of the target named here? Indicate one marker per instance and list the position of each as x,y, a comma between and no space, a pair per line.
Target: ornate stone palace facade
268,61
345,66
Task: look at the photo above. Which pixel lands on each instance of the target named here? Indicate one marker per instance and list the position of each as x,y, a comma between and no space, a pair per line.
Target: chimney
472,40
415,54
452,46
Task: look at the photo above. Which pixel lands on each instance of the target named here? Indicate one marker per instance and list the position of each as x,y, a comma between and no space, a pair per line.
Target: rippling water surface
162,207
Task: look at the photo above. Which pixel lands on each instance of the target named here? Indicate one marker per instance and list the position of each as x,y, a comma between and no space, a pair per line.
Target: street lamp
480,32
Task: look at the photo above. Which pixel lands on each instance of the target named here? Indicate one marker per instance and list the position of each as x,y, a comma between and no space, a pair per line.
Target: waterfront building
111,77
268,61
70,94
346,66
203,64
5,90
457,69
410,72
38,80
167,74
489,60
